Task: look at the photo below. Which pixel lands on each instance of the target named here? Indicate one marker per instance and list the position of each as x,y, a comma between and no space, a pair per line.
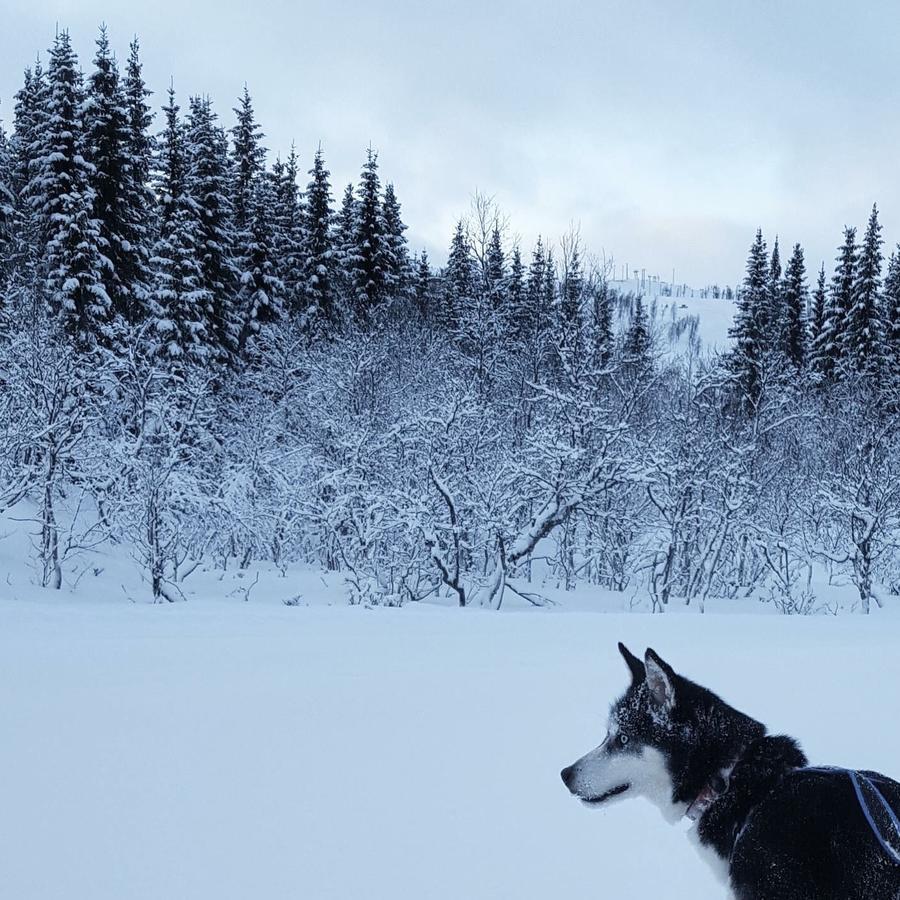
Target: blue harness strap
858,780
856,777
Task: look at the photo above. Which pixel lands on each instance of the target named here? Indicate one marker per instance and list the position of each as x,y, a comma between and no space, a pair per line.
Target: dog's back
813,831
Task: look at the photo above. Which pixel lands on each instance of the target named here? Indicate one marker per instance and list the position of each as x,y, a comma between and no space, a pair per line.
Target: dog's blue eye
623,740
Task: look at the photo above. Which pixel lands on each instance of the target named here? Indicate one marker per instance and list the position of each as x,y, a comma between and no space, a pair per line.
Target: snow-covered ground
675,302
227,749
235,746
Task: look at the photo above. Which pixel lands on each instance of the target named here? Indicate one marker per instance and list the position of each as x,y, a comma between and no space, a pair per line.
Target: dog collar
714,788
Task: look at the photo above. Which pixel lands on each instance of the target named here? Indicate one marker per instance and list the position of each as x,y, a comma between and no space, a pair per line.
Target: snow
714,315
227,749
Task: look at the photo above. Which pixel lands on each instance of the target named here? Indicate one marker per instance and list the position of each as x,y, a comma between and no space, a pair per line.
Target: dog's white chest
712,859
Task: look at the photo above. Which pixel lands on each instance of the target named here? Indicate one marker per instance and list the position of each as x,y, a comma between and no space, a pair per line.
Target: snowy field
714,316
220,749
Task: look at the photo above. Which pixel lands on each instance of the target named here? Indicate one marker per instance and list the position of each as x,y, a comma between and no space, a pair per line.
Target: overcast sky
669,130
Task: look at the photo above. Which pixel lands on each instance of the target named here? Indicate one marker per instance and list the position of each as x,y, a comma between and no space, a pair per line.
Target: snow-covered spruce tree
769,316
891,314
531,315
636,348
140,118
602,337
571,295
207,180
140,198
550,286
261,296
399,272
751,314
495,271
422,292
863,336
289,227
321,312
345,243
515,286
170,163
179,304
530,320
25,146
816,319
458,281
7,208
830,353
371,266
248,159
793,309
121,201
63,199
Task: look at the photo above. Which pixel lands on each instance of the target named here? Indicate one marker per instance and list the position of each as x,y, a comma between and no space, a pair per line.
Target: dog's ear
635,666
660,680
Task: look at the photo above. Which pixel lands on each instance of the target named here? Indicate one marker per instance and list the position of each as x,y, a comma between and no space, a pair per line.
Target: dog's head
635,757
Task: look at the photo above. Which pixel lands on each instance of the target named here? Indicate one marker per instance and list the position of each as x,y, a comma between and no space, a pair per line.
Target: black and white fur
775,829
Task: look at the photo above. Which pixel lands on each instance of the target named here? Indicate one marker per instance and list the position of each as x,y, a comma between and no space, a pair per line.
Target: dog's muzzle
568,778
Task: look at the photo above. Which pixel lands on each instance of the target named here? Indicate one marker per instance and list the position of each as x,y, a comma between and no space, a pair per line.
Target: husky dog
776,829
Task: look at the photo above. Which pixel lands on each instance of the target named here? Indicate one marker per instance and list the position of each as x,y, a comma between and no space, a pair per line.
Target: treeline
846,329
186,229
188,232
208,366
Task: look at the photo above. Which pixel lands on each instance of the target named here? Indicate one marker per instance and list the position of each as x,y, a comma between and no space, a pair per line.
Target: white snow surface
219,749
715,316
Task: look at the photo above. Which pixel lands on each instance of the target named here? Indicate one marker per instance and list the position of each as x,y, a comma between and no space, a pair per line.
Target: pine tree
370,269
864,340
891,312
319,256
207,180
793,305
261,297
752,312
120,196
63,200
248,159
398,267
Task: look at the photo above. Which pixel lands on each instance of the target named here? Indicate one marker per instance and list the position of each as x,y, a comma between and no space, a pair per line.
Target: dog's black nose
567,774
